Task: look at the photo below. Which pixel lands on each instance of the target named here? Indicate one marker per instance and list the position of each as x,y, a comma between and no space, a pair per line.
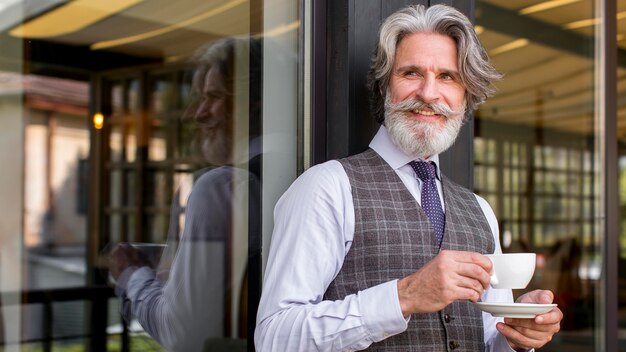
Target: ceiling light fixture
282,29
167,29
547,5
591,22
71,17
582,23
516,44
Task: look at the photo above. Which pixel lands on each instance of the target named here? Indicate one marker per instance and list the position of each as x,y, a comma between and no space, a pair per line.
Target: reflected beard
422,139
216,146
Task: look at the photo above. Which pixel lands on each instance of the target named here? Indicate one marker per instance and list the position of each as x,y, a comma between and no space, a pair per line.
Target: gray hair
477,74
222,55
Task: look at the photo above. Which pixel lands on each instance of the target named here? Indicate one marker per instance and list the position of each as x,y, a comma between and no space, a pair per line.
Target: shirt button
453,345
446,318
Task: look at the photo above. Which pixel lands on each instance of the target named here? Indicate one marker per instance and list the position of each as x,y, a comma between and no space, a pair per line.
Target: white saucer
515,310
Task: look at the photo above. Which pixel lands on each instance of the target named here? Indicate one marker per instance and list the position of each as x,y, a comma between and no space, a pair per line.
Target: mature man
380,249
182,304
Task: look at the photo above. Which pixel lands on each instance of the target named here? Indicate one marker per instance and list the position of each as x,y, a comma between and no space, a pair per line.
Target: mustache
416,104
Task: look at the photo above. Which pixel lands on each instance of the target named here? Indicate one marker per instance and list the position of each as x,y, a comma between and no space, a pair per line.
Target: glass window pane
116,227
116,142
542,123
117,98
162,97
177,164
621,135
133,97
130,145
157,147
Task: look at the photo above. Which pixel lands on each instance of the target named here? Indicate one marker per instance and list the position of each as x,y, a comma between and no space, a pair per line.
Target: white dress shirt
313,231
187,310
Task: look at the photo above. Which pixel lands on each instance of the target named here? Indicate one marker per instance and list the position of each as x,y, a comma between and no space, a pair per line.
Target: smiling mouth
424,112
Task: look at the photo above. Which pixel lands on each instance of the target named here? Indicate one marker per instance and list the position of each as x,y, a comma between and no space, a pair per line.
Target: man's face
425,101
214,117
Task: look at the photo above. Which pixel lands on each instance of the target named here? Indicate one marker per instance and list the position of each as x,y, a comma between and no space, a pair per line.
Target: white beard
421,139
217,145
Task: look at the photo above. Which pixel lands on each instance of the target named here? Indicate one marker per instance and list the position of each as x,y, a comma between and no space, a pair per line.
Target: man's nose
428,90
202,113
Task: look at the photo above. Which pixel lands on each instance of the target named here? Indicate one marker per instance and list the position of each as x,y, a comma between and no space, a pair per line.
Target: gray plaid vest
393,238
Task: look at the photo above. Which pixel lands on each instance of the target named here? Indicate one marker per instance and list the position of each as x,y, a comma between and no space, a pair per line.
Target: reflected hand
532,333
449,277
121,257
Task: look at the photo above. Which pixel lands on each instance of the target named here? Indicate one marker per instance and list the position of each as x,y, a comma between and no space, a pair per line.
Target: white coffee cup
512,270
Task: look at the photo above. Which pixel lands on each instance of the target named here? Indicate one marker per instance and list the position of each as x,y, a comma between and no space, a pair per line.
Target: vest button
446,318
453,345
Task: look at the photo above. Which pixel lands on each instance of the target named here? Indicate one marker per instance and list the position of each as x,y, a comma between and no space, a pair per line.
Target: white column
280,106
11,206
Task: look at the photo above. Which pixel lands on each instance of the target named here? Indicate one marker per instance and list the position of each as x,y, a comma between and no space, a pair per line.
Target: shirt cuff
137,281
382,315
122,281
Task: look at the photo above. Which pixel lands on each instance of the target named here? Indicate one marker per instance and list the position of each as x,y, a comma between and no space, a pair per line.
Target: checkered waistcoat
393,238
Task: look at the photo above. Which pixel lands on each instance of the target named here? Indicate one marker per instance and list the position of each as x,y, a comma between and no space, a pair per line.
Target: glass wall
536,156
144,145
621,162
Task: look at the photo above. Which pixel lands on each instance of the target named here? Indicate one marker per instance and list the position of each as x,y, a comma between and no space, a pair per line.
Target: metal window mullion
606,93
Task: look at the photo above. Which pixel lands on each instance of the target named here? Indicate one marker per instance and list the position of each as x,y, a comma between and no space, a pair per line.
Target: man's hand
450,276
532,333
121,257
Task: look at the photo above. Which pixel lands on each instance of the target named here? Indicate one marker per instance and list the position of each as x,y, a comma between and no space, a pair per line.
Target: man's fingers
468,282
456,287
532,332
531,325
545,297
449,277
529,333
469,294
468,258
537,296
464,269
552,317
543,322
524,338
475,273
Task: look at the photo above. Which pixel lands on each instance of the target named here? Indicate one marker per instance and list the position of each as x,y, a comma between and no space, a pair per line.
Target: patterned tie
431,204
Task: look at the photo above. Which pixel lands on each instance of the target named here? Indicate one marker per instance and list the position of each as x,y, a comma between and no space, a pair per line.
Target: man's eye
446,76
212,96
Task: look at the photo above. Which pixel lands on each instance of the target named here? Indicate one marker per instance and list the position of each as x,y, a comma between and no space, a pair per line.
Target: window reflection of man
190,310
213,116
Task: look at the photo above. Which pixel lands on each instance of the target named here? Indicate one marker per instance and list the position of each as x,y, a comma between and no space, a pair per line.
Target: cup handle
493,279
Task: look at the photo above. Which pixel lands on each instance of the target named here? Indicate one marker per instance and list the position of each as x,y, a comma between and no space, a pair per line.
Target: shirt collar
394,156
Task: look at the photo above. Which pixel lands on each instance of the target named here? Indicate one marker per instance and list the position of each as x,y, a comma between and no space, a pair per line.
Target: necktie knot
424,170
